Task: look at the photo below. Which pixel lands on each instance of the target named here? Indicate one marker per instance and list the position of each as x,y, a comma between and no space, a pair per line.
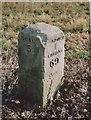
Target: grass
73,20
84,54
69,17
5,45
78,54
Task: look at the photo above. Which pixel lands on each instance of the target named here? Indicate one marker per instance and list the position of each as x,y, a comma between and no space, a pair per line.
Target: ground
73,100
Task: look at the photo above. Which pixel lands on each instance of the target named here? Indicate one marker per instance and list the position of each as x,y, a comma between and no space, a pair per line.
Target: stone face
41,61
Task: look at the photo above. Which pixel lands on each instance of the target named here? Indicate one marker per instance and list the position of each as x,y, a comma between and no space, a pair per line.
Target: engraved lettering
28,48
54,62
54,53
30,40
56,39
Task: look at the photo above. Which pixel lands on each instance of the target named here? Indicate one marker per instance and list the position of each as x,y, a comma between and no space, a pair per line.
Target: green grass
80,54
84,54
37,11
69,17
5,45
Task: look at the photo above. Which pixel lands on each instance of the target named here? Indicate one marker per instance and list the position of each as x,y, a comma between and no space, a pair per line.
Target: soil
73,99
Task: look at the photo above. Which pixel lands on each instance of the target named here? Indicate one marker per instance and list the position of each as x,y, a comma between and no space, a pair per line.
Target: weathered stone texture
41,61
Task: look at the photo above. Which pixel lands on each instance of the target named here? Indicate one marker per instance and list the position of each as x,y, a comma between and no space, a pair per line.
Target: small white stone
65,89
85,110
23,114
17,101
63,109
51,98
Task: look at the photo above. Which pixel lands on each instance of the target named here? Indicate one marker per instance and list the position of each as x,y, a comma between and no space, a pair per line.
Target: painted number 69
54,62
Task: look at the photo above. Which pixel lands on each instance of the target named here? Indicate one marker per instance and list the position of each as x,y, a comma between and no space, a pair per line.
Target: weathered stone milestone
41,61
